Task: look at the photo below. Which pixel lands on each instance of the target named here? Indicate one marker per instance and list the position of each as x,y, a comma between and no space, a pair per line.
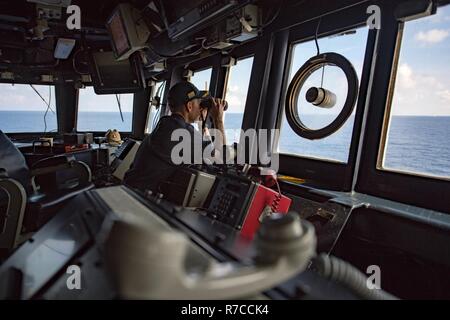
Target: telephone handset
167,265
124,148
124,158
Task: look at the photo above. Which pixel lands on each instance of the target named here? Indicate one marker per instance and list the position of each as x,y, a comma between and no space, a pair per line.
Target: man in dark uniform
153,163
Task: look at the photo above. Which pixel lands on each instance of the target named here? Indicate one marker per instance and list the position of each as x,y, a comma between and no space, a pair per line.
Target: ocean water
419,144
33,121
415,143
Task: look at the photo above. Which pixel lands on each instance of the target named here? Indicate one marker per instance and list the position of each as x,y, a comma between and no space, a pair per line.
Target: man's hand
217,114
217,111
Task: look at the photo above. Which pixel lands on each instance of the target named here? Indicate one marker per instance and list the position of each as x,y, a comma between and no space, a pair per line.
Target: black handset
124,148
122,152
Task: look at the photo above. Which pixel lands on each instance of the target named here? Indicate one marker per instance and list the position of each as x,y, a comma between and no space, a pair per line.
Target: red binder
263,197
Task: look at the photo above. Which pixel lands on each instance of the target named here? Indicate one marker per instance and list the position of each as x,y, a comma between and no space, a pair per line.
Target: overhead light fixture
57,3
63,48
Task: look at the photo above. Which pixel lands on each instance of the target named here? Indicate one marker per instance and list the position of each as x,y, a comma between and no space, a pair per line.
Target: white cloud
419,93
440,17
91,102
231,88
236,102
21,97
432,36
12,100
405,76
236,97
444,95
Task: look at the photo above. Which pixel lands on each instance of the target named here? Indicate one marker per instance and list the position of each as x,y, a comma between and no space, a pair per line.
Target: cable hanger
318,49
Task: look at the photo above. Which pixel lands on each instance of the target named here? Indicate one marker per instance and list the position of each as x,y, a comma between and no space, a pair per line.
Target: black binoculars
208,103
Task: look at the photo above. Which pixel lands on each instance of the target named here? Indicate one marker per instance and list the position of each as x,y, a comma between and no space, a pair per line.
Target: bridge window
236,96
201,79
416,136
101,112
335,147
22,110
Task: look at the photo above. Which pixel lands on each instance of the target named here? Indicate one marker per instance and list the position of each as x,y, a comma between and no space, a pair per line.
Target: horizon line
307,114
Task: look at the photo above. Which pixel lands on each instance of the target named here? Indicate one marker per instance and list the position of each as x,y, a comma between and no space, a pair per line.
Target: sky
423,83
20,97
422,86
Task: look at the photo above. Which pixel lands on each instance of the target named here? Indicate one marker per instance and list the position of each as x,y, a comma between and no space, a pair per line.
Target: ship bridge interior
350,98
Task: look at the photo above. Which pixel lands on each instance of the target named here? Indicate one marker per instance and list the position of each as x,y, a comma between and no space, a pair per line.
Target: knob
284,235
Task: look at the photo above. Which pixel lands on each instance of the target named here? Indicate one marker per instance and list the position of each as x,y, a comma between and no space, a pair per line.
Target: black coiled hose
342,272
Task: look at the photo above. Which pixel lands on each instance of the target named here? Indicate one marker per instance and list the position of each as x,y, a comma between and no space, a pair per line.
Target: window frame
240,58
241,52
388,115
201,65
201,70
124,133
422,191
35,134
330,174
219,73
242,55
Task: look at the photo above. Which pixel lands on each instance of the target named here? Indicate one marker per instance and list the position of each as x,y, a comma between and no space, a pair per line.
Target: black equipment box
188,187
78,138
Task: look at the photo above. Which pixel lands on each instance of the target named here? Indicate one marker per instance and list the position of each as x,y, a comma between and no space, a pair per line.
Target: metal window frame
422,191
325,173
97,132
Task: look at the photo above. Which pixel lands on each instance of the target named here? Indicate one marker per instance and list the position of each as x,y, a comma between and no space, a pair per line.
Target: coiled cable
344,273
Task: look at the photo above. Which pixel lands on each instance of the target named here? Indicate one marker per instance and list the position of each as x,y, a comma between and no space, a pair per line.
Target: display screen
119,35
112,76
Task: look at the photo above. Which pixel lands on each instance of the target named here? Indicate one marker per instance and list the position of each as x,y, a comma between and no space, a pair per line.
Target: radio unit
242,203
230,198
